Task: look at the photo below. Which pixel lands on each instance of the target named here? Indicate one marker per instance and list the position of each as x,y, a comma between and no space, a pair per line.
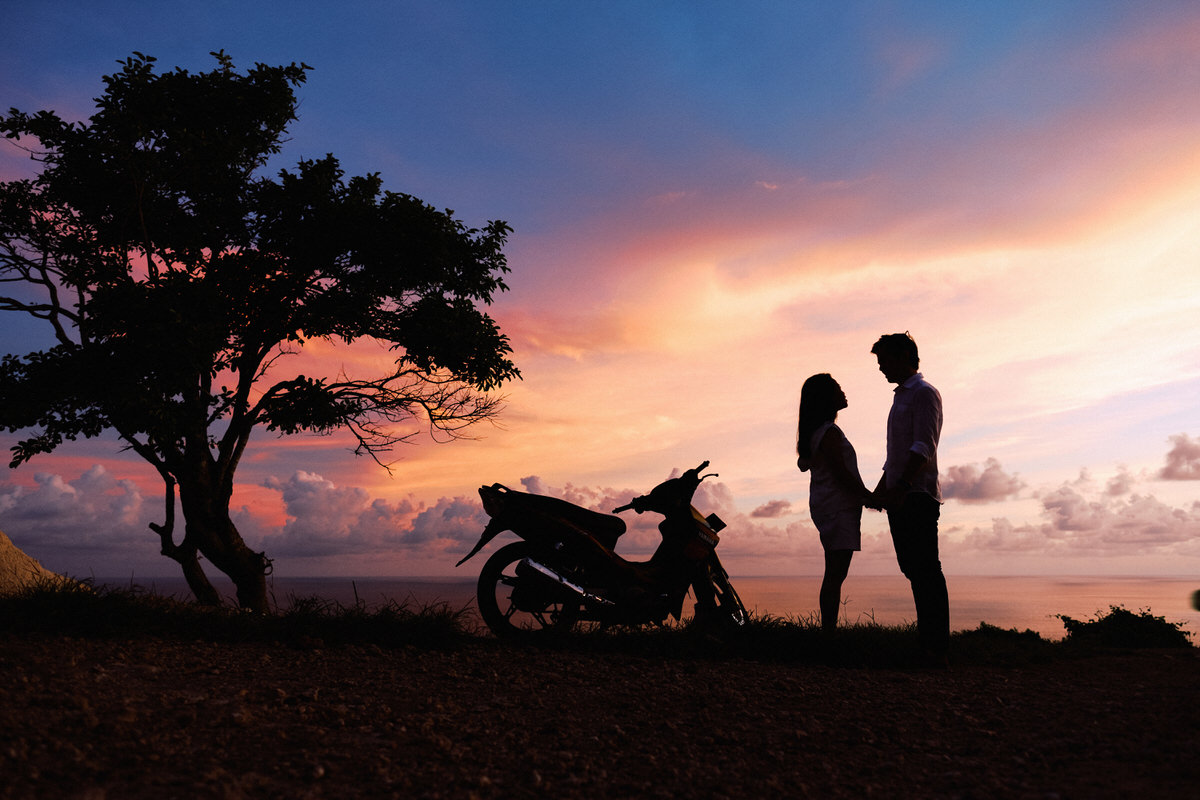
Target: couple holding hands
908,490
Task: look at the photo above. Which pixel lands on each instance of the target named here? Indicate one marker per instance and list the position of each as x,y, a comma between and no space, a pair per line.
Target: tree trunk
197,581
185,554
210,530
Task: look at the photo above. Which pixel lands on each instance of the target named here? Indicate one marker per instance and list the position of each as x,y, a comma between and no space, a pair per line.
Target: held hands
886,499
874,500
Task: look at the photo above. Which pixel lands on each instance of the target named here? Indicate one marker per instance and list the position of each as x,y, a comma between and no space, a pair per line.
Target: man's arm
893,498
927,427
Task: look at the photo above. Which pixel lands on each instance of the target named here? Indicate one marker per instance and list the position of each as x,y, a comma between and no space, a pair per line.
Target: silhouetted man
909,489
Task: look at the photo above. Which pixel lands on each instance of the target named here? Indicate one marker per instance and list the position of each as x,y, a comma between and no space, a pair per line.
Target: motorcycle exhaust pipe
569,585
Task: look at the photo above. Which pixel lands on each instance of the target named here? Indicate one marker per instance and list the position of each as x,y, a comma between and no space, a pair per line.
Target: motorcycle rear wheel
514,605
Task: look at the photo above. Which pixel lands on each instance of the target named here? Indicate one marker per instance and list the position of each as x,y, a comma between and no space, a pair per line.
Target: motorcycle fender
494,528
676,608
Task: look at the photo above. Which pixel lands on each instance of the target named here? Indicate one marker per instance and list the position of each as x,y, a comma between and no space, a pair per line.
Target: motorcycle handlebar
638,503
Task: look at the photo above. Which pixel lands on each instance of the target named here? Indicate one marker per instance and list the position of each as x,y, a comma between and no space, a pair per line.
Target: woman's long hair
818,404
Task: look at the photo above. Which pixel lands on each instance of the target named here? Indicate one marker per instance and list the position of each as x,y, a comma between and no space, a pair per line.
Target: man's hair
898,344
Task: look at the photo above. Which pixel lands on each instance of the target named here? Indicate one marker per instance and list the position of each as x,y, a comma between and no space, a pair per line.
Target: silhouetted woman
836,493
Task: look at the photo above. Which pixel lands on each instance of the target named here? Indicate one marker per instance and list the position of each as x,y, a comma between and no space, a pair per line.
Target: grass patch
863,644
989,644
867,645
86,611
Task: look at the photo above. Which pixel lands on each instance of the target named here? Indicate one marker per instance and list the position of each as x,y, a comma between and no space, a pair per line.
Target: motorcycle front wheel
515,603
728,603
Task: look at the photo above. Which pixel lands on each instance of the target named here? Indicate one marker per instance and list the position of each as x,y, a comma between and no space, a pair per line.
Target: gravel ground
150,718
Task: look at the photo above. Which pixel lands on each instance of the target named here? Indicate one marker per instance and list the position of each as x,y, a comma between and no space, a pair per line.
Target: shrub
989,644
1122,628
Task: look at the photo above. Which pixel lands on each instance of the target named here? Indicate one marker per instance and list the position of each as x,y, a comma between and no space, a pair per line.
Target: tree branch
447,405
46,278
166,530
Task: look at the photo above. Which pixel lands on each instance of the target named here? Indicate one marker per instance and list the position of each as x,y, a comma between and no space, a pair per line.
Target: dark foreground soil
151,718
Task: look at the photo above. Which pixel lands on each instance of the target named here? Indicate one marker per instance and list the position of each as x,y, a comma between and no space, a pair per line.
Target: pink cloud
1069,510
969,484
772,510
1078,527
1005,537
1115,523
572,332
453,521
98,520
1183,461
324,519
1120,484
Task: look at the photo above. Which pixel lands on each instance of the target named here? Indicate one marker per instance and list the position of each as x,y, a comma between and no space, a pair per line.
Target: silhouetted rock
19,570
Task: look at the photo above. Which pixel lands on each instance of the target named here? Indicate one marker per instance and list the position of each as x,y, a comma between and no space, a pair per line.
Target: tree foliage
177,280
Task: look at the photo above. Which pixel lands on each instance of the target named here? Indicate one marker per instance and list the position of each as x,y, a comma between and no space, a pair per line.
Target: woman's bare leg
837,565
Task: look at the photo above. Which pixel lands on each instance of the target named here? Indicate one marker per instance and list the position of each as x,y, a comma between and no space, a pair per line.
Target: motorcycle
564,571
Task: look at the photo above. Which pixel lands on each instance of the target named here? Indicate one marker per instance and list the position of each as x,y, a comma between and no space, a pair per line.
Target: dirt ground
103,719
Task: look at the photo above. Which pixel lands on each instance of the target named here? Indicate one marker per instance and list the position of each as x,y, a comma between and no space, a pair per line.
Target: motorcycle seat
607,528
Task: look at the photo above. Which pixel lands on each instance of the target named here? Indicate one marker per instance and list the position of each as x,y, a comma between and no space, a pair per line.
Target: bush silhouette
1122,628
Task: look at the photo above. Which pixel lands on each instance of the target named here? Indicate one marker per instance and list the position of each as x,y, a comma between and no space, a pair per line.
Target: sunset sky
712,201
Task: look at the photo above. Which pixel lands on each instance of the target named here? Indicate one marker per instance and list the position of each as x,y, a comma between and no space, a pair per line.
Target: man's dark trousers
915,536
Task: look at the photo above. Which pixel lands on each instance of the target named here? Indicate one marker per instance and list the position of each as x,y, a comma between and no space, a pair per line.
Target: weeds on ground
766,637
861,644
86,611
989,644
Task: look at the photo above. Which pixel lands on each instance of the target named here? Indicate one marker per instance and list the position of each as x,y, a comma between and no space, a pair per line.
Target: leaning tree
180,283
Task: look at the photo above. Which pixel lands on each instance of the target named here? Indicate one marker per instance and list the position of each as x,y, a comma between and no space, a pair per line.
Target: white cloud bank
1081,523
88,524
95,511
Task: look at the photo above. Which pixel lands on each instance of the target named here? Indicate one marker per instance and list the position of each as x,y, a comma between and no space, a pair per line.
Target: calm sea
1017,602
